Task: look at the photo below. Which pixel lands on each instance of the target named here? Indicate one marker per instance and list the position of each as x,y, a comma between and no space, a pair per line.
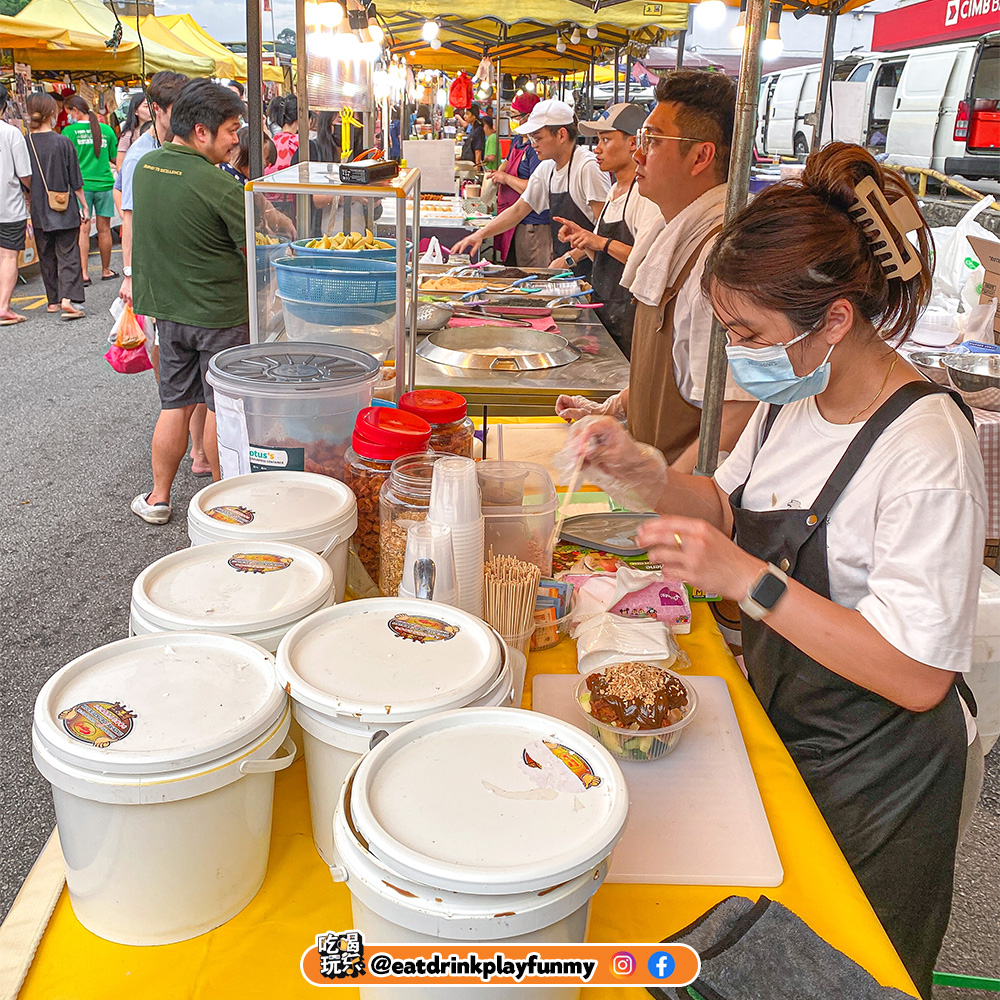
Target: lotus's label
100,723
422,629
231,514
259,562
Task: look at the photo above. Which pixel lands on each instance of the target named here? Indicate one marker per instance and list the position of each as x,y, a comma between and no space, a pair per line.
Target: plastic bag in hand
128,360
128,330
633,474
572,408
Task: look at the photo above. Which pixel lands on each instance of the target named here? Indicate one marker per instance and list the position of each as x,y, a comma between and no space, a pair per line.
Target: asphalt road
75,450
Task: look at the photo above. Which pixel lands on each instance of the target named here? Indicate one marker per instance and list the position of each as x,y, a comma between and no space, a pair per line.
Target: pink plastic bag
128,360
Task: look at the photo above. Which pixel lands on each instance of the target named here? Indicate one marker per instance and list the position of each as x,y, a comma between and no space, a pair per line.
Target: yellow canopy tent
185,27
18,33
152,29
90,24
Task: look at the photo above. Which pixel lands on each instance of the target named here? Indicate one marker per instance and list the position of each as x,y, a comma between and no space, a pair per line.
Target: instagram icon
622,963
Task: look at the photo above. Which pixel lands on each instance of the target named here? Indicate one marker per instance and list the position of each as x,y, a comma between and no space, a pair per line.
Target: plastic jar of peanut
380,436
405,497
452,430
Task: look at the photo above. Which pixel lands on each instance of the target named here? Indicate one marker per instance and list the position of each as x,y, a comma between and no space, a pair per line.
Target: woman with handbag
58,207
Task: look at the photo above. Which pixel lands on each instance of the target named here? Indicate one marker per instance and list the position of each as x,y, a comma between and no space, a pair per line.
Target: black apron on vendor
887,780
562,205
618,312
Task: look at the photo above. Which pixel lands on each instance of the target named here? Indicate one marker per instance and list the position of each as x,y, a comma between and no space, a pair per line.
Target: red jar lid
436,406
385,433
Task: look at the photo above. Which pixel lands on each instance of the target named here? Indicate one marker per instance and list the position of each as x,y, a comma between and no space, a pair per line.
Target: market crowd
847,519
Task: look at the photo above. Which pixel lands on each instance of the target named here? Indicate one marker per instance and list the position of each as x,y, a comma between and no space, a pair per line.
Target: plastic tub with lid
161,752
377,664
316,512
485,824
255,592
289,407
519,507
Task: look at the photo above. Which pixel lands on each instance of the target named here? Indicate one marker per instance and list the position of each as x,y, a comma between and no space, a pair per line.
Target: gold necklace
885,382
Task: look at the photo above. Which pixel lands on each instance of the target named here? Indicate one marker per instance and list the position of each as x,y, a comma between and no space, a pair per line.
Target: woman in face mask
848,522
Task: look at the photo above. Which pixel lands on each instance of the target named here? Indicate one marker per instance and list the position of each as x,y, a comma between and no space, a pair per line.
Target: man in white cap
626,213
568,182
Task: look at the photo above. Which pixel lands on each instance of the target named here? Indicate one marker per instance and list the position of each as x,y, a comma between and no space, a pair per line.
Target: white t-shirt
588,182
905,539
14,163
639,212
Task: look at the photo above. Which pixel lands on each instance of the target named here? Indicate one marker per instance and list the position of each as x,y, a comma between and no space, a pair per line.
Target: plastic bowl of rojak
637,710
355,244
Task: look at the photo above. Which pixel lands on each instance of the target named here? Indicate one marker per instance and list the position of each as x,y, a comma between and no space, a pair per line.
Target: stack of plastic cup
455,502
429,553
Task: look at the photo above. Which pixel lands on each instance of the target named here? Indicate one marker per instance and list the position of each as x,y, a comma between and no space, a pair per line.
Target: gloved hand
634,474
572,408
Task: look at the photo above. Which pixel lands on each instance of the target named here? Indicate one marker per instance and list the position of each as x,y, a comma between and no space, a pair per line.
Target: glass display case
318,273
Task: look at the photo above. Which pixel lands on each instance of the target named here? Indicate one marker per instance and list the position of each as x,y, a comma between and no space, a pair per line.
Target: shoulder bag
58,200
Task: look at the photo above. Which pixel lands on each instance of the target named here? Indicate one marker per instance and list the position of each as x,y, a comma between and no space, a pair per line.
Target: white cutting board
695,816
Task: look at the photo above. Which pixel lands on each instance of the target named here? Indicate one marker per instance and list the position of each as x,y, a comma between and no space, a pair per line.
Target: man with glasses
682,164
568,183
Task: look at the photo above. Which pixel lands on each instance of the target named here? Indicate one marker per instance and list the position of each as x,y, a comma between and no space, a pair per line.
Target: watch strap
750,605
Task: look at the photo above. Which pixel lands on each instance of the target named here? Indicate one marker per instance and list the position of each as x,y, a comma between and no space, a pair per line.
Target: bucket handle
272,763
335,541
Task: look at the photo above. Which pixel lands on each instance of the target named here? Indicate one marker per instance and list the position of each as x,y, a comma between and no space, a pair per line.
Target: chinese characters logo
341,954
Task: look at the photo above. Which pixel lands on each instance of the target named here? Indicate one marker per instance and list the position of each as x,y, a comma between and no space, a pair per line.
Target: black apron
618,312
562,204
888,781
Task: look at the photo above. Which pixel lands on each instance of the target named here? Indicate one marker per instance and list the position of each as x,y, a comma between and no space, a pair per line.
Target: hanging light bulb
442,97
435,43
311,11
430,30
773,46
375,30
530,86
575,36
561,44
592,31
738,33
710,14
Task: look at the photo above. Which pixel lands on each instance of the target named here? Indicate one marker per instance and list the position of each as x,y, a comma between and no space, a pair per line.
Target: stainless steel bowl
931,364
977,378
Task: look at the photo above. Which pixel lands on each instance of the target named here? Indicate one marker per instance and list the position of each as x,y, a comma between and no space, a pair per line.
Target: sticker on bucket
99,722
286,459
259,562
421,629
231,514
547,762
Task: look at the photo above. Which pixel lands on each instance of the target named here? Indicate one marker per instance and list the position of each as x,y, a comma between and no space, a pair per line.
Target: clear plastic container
519,507
369,328
637,744
452,429
380,436
290,406
405,497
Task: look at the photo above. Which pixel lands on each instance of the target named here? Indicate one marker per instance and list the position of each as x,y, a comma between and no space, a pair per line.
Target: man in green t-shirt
491,155
189,271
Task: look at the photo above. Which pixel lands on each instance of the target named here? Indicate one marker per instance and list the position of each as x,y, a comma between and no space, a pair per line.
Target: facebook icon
661,965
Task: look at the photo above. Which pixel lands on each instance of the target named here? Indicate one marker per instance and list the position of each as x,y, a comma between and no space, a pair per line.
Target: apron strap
685,272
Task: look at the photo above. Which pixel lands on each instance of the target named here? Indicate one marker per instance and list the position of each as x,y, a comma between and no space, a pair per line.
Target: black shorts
184,355
12,235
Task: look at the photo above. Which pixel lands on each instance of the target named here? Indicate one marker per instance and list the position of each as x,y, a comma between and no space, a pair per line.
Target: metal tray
459,348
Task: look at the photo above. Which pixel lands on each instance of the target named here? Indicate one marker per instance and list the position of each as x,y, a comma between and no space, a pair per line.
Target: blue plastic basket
339,314
301,249
267,252
335,280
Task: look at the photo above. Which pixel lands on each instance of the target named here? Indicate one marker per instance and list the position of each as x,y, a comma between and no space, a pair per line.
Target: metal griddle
456,348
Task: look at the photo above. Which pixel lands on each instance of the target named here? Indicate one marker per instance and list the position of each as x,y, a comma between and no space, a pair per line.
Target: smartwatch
764,593
570,262
127,271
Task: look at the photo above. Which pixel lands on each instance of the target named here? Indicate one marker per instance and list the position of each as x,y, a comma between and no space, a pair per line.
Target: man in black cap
624,215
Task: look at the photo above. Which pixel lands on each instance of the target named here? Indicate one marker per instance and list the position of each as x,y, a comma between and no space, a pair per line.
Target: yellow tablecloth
257,953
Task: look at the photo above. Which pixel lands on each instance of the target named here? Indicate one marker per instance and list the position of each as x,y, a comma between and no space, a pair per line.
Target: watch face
767,592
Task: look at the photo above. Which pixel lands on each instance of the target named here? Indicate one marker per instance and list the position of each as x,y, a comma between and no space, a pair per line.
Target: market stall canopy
228,64
18,33
669,17
90,24
151,28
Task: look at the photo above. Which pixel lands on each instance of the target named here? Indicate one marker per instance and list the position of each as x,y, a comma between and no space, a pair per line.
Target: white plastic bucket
512,852
307,509
256,592
161,755
371,665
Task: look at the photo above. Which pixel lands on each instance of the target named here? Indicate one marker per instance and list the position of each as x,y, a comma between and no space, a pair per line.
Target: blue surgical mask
767,374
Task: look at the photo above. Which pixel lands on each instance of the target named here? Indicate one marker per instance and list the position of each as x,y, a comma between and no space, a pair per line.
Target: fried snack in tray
349,241
265,241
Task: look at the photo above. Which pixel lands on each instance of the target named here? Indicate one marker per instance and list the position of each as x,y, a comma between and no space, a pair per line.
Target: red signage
934,21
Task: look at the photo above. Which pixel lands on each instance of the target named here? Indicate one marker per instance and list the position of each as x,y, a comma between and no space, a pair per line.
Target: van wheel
801,146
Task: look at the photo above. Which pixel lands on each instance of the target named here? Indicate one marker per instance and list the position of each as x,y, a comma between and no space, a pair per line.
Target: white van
786,98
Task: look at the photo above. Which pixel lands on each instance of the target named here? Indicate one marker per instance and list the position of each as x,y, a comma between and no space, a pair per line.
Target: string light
710,14
592,31
773,46
560,43
435,43
431,28
575,36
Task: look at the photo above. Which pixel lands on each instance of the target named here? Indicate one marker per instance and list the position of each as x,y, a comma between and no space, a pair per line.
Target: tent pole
737,192
628,73
255,72
302,93
616,77
680,47
825,80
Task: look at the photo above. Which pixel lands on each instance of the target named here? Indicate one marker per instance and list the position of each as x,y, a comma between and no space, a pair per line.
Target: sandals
70,314
87,282
13,320
109,277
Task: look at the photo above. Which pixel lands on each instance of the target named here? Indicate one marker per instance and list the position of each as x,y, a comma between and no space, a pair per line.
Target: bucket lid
158,703
386,433
436,406
278,505
388,658
232,587
493,800
289,367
